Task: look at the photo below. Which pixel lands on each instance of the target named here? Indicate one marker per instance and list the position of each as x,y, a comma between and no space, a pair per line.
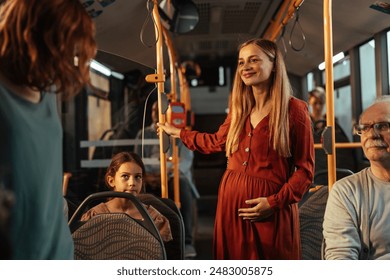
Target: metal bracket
166,143
326,139
155,78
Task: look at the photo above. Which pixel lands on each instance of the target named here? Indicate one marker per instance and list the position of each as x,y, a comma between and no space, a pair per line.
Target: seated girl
125,174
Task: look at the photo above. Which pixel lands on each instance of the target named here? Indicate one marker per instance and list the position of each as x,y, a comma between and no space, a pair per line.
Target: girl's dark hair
119,159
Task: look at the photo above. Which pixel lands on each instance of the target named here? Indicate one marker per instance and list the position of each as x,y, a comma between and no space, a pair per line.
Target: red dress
256,170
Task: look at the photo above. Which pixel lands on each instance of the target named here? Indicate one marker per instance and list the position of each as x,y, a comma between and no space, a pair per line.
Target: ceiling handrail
285,14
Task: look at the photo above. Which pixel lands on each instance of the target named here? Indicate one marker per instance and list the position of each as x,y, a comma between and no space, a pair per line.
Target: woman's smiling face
254,66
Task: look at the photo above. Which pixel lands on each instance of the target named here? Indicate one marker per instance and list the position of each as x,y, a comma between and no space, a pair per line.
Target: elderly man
357,216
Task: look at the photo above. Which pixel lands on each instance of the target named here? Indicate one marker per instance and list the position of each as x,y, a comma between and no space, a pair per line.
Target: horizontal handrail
97,163
118,142
341,145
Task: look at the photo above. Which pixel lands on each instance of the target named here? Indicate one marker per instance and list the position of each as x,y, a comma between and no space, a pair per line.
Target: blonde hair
39,40
279,94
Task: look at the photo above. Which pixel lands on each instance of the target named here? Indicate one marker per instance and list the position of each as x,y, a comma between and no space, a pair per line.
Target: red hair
39,40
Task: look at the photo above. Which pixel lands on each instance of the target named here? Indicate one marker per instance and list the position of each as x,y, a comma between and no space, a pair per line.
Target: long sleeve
340,224
206,142
302,157
98,209
161,222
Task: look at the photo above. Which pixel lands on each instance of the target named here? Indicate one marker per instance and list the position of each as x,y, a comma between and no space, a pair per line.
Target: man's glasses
380,127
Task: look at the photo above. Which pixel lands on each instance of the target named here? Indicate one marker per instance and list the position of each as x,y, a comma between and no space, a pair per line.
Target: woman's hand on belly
260,209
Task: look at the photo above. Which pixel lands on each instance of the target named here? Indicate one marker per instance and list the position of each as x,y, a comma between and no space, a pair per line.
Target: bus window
388,55
367,73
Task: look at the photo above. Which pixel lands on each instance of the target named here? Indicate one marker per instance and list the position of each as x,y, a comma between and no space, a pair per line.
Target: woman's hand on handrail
169,129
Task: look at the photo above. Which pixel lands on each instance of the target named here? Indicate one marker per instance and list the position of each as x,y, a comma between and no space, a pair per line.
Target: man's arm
341,230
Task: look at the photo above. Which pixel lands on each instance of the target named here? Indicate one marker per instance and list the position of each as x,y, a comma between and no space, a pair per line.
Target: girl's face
254,65
128,178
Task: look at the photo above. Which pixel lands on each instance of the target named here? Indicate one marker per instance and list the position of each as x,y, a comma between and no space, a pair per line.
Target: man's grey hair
380,99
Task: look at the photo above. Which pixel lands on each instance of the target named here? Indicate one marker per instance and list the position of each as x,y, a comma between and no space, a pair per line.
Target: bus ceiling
224,24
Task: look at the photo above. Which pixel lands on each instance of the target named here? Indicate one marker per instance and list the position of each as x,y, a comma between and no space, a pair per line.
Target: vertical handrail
328,47
160,92
173,94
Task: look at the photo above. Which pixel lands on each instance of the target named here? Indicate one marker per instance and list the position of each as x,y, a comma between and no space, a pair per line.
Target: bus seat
174,207
114,236
321,176
168,208
65,183
311,216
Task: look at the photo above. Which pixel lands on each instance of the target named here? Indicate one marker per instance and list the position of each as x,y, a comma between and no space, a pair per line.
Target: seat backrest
168,208
113,236
321,176
174,207
311,216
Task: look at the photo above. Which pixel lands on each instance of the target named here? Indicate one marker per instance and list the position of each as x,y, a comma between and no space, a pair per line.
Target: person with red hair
45,48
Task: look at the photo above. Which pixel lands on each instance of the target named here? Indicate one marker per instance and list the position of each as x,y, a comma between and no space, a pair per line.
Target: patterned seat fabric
115,236
311,216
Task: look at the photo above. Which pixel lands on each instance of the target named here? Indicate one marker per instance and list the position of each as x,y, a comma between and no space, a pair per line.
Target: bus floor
204,227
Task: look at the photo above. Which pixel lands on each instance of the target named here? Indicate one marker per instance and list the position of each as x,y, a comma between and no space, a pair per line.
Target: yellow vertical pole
173,94
328,47
160,91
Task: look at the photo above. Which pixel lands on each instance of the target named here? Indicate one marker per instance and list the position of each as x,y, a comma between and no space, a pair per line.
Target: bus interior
105,118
